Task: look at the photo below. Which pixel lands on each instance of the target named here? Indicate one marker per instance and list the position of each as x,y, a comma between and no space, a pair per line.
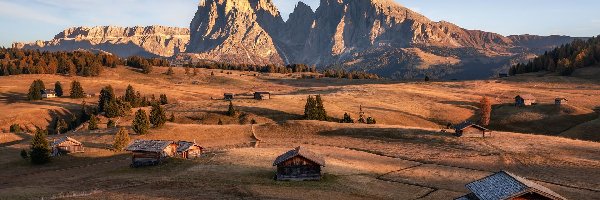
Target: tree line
82,63
145,64
564,59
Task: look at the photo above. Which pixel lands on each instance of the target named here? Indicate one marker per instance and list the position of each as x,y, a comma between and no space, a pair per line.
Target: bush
163,99
15,128
347,119
371,120
172,118
253,121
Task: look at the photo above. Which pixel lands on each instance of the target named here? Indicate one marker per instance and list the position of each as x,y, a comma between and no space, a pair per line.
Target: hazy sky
30,20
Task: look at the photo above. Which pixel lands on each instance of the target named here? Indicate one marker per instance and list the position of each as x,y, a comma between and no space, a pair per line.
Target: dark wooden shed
470,129
66,145
151,152
525,100
189,150
560,101
228,96
507,186
299,164
262,95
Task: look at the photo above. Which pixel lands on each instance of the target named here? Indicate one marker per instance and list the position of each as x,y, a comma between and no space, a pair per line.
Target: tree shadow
415,136
275,115
325,82
12,97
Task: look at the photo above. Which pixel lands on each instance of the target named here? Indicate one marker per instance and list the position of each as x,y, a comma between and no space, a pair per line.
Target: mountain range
377,36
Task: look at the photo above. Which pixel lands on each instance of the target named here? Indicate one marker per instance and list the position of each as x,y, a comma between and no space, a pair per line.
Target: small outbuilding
525,100
66,145
502,75
560,101
507,186
189,150
299,164
46,94
228,96
262,95
470,129
151,152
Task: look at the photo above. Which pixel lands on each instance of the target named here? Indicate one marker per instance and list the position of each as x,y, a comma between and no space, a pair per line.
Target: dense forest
82,63
564,59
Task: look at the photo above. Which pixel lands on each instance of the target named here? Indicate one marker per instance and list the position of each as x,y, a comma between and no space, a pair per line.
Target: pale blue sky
30,20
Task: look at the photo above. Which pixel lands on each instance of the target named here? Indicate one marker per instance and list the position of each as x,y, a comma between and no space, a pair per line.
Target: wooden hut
502,75
228,96
262,95
504,186
525,100
469,129
299,164
189,150
560,101
46,94
151,152
66,145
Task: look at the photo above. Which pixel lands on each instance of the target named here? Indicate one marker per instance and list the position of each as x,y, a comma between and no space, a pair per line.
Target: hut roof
561,99
48,91
184,146
300,151
505,185
149,145
468,124
262,92
526,96
62,140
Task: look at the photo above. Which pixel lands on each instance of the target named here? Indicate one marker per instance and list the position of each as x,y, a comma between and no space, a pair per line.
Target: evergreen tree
121,140
157,116
163,99
58,89
40,149
107,96
320,109
61,125
485,108
371,120
130,96
76,90
231,111
170,71
35,90
253,121
309,108
347,119
15,128
141,123
220,122
93,123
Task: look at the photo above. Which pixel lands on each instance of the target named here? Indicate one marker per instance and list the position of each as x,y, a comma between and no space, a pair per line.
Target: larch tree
121,140
485,109
93,123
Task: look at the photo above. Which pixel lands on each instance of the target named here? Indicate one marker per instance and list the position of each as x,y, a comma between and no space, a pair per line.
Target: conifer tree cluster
145,64
112,106
35,90
332,73
564,59
19,61
314,109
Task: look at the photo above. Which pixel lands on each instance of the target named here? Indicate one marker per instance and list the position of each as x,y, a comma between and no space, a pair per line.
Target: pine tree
93,123
111,124
485,108
320,109
157,116
61,125
58,89
231,111
163,99
371,120
35,90
309,108
40,149
76,90
220,122
172,118
141,123
107,96
130,95
121,140
170,71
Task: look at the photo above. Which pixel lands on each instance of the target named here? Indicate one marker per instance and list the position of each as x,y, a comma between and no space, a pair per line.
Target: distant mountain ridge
378,36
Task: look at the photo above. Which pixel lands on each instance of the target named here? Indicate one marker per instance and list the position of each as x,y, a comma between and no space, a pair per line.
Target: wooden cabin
151,152
299,164
46,94
228,96
66,145
502,75
560,101
525,100
189,150
262,95
469,129
507,186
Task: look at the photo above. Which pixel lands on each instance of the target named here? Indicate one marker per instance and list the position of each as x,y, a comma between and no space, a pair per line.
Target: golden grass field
404,156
